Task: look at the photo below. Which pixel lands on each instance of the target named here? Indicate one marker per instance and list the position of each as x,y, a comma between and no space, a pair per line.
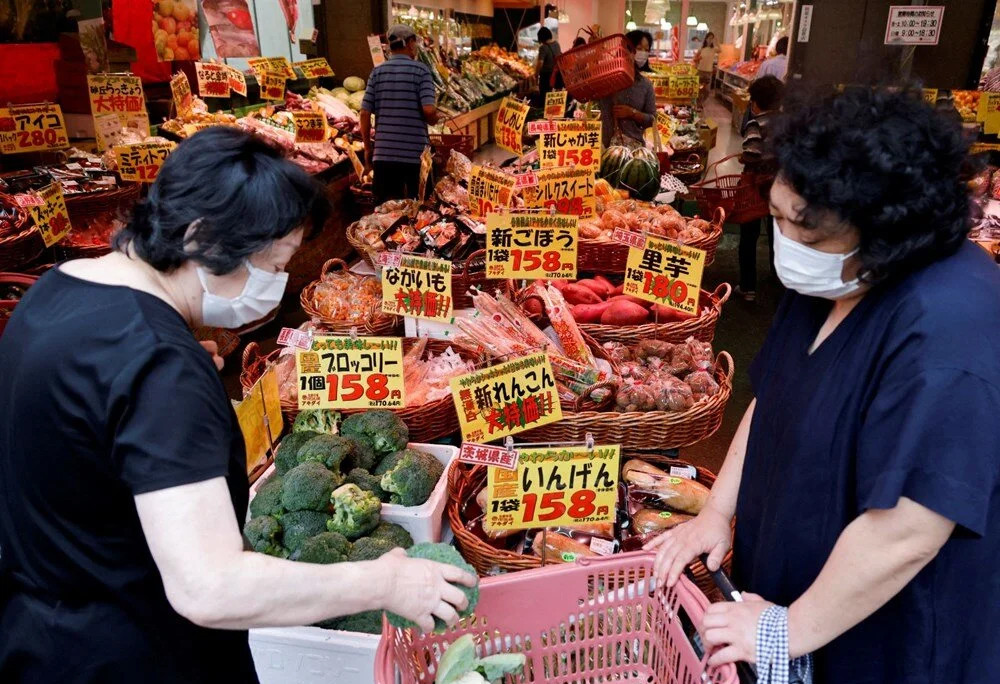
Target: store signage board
567,190
990,107
489,190
119,95
375,48
314,68
484,454
272,86
554,487
142,161
51,216
574,143
664,272
682,69
506,399
531,246
805,23
32,128
348,373
420,287
665,126
509,127
683,87
213,79
930,95
263,65
555,104
914,25
259,416
237,81
180,87
310,127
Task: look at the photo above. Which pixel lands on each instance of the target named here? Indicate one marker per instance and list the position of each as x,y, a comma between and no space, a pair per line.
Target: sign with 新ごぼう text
419,287
574,143
509,127
489,190
567,190
341,372
531,246
665,272
33,127
142,161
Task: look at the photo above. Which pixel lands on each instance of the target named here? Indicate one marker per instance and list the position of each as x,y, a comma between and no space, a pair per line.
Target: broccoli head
263,533
300,525
369,548
412,479
267,501
368,482
369,621
325,547
442,553
393,533
356,512
307,487
316,420
285,456
378,433
327,450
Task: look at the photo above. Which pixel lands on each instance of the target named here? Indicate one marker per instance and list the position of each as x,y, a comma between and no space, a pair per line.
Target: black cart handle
746,672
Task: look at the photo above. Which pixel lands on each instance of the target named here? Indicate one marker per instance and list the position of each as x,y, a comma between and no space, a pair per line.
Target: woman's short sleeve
173,421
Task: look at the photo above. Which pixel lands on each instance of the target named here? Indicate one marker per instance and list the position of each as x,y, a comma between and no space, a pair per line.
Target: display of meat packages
657,501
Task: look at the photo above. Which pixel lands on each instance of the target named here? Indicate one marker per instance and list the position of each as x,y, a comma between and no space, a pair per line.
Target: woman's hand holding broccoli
419,589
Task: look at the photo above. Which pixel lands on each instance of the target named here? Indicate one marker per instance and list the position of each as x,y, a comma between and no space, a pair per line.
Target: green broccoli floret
442,553
300,525
388,463
307,487
285,456
325,547
369,622
413,478
267,501
393,533
369,548
356,512
368,482
328,450
262,533
378,433
316,420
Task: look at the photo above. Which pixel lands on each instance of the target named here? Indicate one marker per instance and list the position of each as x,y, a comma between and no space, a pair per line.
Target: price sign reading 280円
341,372
531,246
665,272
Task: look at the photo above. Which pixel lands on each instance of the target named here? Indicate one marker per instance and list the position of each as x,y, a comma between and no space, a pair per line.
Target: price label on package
310,127
50,214
531,246
419,287
346,373
567,190
665,272
237,80
278,65
489,190
314,68
180,87
272,86
555,104
120,96
553,487
509,127
506,399
684,87
142,161
213,79
574,143
31,128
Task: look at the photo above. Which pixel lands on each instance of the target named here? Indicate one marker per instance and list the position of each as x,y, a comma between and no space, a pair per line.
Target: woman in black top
545,65
122,469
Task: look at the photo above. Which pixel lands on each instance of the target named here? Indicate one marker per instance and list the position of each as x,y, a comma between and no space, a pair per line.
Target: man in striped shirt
400,93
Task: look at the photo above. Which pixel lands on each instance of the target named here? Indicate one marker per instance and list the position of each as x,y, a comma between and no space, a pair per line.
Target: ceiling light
631,26
692,20
563,18
702,26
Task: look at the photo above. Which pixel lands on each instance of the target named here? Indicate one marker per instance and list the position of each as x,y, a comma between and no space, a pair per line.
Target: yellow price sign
213,79
682,69
346,373
310,127
506,399
990,108
180,87
531,246
683,87
237,80
665,126
314,68
664,272
263,65
568,190
142,161
573,143
930,95
419,287
272,86
554,487
33,127
50,215
555,104
259,416
661,86
509,129
119,95
489,190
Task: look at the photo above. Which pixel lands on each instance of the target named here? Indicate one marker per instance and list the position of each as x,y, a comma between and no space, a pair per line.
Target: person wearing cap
400,94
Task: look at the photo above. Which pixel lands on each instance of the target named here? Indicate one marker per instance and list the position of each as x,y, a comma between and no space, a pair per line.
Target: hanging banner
506,399
32,128
119,95
213,79
260,419
230,24
555,104
340,372
272,86
509,128
314,68
237,81
175,30
278,65
51,216
568,190
419,287
665,272
574,143
180,87
531,246
554,487
489,190
142,161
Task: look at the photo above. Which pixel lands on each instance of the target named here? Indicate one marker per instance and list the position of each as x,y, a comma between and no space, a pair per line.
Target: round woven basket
89,205
470,275
7,305
375,322
23,243
364,250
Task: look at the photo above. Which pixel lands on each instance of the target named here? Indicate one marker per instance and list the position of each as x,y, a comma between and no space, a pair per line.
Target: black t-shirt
104,395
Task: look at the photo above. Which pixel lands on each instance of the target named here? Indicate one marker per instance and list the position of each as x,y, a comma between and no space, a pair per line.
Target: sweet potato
589,313
624,313
578,294
630,298
602,279
558,284
664,314
595,286
618,289
533,305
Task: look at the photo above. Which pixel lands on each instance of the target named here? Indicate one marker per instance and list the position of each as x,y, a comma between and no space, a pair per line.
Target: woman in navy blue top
864,476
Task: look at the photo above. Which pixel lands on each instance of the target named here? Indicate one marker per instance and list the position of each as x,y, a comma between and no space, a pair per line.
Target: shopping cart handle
746,672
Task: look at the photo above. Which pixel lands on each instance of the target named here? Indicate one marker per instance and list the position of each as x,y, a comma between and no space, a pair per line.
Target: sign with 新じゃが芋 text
574,143
665,272
344,372
531,246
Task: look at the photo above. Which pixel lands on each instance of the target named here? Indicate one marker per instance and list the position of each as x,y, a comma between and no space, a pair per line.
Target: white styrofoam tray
307,655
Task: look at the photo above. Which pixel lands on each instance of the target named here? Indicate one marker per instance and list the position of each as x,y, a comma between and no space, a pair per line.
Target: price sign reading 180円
341,372
665,272
531,246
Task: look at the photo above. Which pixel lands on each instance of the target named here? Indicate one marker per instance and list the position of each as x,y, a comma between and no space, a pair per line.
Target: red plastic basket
598,619
739,195
597,69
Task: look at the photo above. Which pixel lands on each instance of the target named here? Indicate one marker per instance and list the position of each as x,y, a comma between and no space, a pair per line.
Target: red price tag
627,237
482,454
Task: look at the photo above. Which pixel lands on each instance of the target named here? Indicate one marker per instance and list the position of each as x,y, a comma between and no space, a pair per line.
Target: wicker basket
23,243
472,274
88,205
7,305
601,256
597,69
364,250
375,323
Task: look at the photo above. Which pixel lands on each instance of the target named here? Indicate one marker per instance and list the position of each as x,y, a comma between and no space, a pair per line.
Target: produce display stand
478,124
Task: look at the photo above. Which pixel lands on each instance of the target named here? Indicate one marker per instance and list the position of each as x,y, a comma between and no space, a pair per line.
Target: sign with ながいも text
419,287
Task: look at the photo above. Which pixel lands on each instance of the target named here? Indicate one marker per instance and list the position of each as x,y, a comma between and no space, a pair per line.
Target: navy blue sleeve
368,101
426,89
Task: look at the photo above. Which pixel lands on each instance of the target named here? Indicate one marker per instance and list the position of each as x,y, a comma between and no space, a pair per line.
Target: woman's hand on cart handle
729,629
421,590
709,533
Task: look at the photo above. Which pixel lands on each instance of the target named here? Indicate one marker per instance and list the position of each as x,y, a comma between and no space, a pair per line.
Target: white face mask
809,271
641,57
261,294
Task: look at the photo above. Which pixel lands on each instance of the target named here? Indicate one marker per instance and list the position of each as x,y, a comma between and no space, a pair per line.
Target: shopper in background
545,65
704,61
759,167
579,41
123,478
626,114
776,66
644,55
400,93
551,21
864,477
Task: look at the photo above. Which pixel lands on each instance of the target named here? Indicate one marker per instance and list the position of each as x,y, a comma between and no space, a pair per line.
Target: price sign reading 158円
340,372
666,273
574,143
531,246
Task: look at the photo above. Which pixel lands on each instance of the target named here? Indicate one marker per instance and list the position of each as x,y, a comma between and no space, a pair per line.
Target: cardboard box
708,132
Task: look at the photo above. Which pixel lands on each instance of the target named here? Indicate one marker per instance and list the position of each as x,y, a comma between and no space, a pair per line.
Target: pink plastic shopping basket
595,619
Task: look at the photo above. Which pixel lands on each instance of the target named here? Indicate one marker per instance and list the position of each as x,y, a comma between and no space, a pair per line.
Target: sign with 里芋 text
272,86
419,287
121,96
665,272
344,372
568,190
310,127
31,128
180,87
50,215
531,246
914,25
506,399
314,68
553,487
278,65
489,190
574,143
213,79
484,454
555,104
142,161
509,127
237,80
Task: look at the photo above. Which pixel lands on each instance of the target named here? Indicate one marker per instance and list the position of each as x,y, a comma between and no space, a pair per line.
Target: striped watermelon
641,176
613,161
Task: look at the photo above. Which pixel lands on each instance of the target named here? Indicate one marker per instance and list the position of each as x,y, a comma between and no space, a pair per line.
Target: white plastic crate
310,655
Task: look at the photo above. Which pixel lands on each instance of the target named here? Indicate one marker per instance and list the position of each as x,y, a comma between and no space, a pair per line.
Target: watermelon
613,161
641,177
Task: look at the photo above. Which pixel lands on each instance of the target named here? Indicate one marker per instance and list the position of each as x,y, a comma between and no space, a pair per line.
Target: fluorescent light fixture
702,26
692,20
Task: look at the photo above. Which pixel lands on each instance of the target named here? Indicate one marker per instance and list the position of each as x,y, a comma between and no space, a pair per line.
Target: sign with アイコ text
567,190
33,127
489,190
51,216
341,372
531,246
510,125
142,161
665,272
419,287
574,143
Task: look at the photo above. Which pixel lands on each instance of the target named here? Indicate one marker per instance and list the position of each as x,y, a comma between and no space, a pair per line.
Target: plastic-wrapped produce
635,398
702,384
671,394
701,353
617,351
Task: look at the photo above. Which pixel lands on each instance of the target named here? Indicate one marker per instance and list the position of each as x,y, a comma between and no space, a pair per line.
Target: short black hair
635,37
580,40
887,163
781,47
544,34
766,92
233,191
